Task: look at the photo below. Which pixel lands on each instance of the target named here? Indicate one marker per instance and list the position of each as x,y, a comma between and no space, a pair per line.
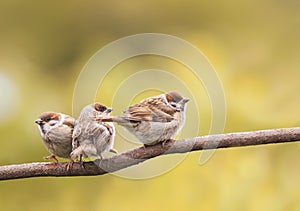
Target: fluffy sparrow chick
56,130
92,138
155,119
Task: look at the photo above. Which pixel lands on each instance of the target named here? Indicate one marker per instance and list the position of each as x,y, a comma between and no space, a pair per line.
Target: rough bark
141,154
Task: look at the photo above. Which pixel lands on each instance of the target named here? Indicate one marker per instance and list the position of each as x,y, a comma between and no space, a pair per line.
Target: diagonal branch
141,154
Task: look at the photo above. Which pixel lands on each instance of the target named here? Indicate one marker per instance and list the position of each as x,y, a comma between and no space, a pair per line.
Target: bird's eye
48,119
102,108
99,107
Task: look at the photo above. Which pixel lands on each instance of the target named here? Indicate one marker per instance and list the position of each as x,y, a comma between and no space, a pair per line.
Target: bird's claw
49,157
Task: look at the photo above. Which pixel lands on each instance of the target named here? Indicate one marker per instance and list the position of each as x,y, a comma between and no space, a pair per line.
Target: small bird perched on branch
155,119
56,130
90,137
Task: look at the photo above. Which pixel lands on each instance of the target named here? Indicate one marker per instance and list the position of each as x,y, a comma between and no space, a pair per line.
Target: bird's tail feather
117,119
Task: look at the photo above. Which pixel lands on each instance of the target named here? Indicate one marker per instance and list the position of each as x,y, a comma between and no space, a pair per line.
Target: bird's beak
39,122
108,110
185,100
180,106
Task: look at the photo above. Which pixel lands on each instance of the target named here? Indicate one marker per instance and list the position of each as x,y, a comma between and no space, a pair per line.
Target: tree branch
141,154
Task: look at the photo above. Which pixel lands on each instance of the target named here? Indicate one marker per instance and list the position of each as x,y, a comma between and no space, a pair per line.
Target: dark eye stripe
48,119
173,104
99,107
102,109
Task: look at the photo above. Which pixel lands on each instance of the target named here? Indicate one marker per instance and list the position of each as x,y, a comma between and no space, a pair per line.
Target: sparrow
92,138
56,130
155,119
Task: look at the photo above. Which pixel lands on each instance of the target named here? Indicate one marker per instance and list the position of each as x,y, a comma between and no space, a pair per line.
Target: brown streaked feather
162,115
139,113
153,109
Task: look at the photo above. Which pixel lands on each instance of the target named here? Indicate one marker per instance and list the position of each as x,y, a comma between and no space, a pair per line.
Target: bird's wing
75,135
59,134
153,111
104,135
70,121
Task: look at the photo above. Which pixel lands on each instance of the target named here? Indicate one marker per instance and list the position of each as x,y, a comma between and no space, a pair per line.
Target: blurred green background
254,47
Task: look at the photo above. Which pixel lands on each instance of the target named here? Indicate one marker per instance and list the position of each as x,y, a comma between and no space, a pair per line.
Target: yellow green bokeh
254,47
